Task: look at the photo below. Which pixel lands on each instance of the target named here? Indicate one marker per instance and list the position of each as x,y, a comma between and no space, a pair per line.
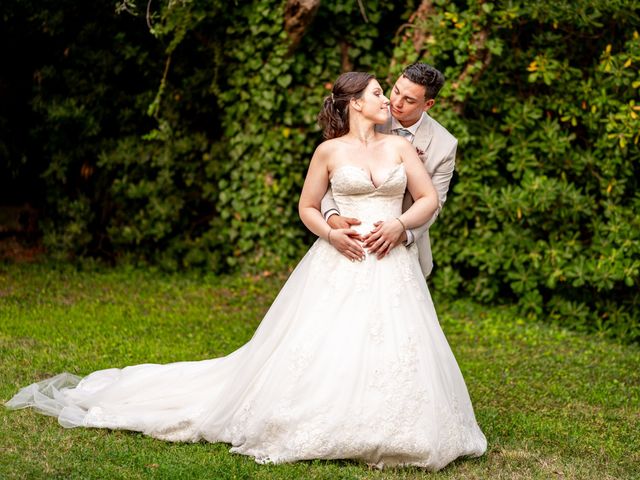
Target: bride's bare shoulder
328,148
395,144
330,145
394,140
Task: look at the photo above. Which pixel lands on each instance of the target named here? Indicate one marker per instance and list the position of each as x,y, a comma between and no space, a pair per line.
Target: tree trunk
298,15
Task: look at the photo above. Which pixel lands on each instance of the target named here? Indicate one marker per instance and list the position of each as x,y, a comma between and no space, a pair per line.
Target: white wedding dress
348,363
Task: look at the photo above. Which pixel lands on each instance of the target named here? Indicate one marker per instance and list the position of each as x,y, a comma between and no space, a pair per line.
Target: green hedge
544,209
186,145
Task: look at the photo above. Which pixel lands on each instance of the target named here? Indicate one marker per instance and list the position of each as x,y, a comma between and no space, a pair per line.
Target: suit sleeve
441,179
328,204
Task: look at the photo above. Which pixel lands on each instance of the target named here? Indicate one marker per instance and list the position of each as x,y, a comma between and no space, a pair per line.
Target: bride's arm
420,187
315,186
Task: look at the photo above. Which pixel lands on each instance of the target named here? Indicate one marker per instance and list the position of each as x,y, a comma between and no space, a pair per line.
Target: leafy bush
544,99
90,87
189,151
186,144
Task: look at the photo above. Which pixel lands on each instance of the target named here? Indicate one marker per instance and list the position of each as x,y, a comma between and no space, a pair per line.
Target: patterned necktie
403,132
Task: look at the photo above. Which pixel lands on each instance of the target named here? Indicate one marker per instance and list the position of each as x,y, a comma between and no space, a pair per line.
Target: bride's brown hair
334,116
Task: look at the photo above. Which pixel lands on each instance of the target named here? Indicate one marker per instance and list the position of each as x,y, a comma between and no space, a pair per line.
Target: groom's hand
336,222
384,237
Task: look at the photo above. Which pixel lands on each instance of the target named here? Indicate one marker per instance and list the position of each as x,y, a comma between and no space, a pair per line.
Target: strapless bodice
357,196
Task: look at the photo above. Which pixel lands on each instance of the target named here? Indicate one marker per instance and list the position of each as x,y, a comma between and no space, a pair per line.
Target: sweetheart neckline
391,172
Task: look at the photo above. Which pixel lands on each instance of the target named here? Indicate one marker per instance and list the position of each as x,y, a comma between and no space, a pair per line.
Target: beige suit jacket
437,149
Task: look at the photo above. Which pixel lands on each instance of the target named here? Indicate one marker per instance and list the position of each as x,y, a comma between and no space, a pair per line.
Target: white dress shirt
395,125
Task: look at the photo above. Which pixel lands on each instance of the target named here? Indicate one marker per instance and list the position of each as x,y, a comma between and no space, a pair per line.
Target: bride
348,363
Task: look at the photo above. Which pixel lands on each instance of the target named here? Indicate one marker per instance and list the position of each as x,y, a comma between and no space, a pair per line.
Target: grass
553,404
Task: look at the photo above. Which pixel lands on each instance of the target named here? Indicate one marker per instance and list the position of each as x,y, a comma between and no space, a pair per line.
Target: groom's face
408,101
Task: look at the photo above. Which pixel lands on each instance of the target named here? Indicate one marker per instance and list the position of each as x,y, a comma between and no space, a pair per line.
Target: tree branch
478,52
425,10
414,32
345,63
417,36
298,15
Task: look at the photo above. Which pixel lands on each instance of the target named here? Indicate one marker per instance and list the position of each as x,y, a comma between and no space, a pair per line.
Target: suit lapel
424,134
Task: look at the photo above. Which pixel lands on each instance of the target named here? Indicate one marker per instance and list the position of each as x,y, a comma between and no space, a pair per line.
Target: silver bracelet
329,236
401,223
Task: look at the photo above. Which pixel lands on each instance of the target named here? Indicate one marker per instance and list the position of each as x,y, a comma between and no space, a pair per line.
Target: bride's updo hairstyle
334,116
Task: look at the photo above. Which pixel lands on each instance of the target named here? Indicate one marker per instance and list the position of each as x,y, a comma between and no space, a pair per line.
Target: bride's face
374,105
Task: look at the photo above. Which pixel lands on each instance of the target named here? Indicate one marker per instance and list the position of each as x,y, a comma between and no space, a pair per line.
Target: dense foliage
182,137
545,209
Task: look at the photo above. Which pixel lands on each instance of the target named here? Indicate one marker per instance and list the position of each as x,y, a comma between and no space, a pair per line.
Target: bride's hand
348,242
384,237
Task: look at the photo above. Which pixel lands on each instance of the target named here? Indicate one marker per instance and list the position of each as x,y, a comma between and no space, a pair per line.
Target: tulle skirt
349,362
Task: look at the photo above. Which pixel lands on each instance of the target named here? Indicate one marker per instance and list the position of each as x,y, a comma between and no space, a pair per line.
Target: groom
413,94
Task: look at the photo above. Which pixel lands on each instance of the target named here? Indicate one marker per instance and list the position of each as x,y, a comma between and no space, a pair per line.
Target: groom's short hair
424,74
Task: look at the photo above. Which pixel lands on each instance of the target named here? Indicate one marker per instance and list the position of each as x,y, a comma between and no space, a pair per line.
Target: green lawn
553,404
